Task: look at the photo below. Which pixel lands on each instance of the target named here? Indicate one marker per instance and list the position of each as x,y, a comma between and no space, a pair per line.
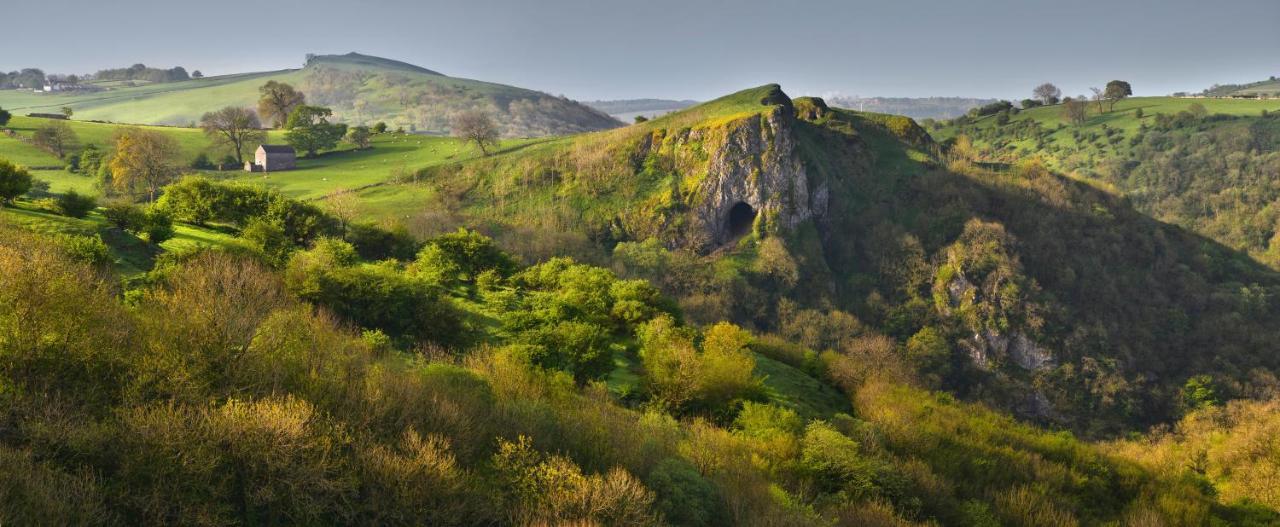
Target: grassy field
133,256
345,168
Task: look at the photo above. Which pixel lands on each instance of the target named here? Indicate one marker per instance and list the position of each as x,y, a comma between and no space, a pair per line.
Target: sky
690,49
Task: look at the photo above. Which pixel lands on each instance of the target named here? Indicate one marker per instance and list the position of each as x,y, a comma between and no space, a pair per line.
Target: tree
380,128
1097,98
144,159
14,181
67,111
360,136
1075,110
197,75
1047,93
641,119
310,130
234,127
1116,91
56,137
4,117
277,101
75,204
477,127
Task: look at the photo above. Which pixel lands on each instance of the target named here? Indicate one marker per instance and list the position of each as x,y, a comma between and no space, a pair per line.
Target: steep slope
360,89
1207,165
1052,298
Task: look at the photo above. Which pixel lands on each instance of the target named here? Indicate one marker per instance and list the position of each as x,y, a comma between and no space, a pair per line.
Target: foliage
75,205
476,127
234,128
277,100
309,130
14,181
373,296
144,161
56,137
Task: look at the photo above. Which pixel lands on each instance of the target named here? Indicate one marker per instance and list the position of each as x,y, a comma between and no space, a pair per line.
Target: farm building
273,158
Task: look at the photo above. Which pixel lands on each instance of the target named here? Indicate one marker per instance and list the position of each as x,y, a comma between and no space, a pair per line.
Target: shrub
374,296
124,215
14,181
684,496
157,226
75,205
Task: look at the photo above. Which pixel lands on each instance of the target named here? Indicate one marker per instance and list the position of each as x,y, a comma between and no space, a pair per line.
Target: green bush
14,181
75,205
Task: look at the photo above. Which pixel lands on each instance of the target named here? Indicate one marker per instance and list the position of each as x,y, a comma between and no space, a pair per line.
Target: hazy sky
604,49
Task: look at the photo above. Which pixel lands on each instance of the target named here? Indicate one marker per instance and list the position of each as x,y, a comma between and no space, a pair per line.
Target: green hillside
360,89
755,311
1210,171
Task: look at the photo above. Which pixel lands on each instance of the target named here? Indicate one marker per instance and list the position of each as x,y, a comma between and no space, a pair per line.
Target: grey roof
277,149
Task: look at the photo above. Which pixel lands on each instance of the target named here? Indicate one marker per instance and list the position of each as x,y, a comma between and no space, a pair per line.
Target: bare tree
234,127
1098,97
277,101
1047,93
344,205
56,137
477,127
1075,110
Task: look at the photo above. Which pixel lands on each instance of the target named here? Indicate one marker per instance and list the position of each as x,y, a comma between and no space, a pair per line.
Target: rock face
757,165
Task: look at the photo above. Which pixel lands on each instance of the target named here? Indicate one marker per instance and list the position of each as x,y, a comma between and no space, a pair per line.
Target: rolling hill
360,89
895,291
913,107
757,208
1206,164
626,110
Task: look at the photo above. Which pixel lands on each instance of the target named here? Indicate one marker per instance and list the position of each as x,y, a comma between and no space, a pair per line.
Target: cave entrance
741,216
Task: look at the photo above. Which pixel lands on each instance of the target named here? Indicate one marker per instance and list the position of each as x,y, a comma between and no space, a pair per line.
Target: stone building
273,158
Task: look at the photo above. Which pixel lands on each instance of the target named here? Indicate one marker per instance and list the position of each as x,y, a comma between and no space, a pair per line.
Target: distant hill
627,109
913,107
359,88
1267,88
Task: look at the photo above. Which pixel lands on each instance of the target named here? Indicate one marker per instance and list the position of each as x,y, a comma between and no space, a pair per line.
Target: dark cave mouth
740,219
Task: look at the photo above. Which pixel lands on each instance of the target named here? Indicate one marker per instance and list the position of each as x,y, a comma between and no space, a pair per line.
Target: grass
360,89
1124,116
133,256
344,168
797,390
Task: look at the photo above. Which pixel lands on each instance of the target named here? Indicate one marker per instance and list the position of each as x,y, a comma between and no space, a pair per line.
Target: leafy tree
4,117
234,127
466,252
310,131
1116,91
67,111
14,181
56,137
75,205
477,127
1199,392
1047,93
360,136
277,101
197,75
380,128
144,159
641,119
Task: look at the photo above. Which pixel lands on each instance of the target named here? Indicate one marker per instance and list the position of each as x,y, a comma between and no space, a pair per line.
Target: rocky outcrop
757,165
988,346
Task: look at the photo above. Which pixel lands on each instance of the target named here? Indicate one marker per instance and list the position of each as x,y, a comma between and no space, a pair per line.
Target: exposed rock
757,164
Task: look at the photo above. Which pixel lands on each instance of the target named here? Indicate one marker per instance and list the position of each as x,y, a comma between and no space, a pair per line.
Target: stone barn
273,158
